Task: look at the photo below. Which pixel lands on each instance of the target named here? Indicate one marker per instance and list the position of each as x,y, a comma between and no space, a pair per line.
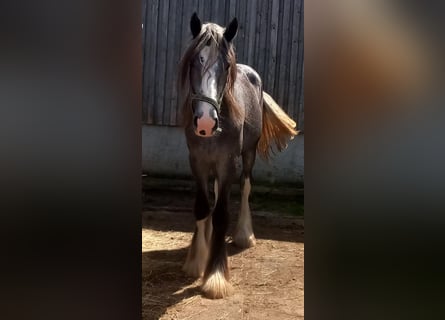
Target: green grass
289,205
279,198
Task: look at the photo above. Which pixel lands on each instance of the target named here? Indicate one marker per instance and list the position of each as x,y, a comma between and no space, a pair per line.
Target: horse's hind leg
243,236
198,252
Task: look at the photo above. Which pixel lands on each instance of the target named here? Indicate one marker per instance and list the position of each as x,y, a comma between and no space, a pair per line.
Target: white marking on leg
215,190
244,236
208,230
216,286
198,252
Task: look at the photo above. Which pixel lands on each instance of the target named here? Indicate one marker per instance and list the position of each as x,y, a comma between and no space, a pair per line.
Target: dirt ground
268,279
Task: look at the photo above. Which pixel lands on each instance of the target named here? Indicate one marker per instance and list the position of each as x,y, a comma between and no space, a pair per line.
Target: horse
227,118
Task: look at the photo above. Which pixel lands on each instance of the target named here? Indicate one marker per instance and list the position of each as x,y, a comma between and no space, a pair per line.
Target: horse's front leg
216,278
198,252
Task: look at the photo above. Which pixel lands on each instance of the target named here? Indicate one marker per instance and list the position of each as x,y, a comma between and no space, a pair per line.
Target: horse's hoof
244,241
216,286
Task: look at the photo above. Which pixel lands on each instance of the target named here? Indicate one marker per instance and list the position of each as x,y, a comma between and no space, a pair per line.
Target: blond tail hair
278,128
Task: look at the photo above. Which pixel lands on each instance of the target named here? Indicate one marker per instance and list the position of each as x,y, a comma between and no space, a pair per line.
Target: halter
215,103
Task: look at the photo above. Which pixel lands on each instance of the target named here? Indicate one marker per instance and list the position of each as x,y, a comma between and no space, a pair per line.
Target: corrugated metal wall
270,39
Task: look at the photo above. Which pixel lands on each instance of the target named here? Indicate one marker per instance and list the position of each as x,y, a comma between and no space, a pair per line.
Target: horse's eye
201,59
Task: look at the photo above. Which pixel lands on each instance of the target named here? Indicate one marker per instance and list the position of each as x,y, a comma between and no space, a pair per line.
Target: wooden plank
150,59
238,40
299,112
273,38
144,35
250,33
200,10
168,85
222,18
214,7
189,7
262,48
207,16
294,57
161,62
255,62
243,20
175,63
232,12
278,59
286,85
282,53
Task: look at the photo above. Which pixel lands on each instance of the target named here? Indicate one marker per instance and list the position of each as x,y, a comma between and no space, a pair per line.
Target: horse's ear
195,25
231,30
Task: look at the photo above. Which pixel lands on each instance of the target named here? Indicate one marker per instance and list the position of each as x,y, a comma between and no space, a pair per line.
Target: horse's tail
278,128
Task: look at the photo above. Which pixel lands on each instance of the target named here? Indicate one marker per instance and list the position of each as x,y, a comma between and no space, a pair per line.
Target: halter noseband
215,103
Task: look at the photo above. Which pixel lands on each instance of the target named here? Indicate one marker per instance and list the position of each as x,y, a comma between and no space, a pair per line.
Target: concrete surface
165,153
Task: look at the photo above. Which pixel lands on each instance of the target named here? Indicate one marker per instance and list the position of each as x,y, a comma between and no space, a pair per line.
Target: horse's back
253,76
249,94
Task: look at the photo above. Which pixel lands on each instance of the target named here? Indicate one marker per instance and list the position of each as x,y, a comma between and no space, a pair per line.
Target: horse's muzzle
205,120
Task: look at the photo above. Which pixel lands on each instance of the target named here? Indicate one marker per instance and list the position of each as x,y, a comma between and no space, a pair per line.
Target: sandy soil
268,279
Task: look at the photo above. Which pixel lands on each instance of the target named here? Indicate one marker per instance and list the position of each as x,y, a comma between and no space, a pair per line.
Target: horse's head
209,72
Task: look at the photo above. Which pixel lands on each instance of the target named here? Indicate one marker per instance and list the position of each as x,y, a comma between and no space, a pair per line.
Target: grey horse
227,118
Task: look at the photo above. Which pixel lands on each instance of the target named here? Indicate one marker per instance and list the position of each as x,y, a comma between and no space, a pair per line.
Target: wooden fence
270,39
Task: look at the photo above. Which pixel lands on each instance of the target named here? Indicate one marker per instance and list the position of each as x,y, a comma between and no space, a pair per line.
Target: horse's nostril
202,132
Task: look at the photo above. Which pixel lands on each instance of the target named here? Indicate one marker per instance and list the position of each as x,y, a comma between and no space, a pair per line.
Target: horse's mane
213,35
